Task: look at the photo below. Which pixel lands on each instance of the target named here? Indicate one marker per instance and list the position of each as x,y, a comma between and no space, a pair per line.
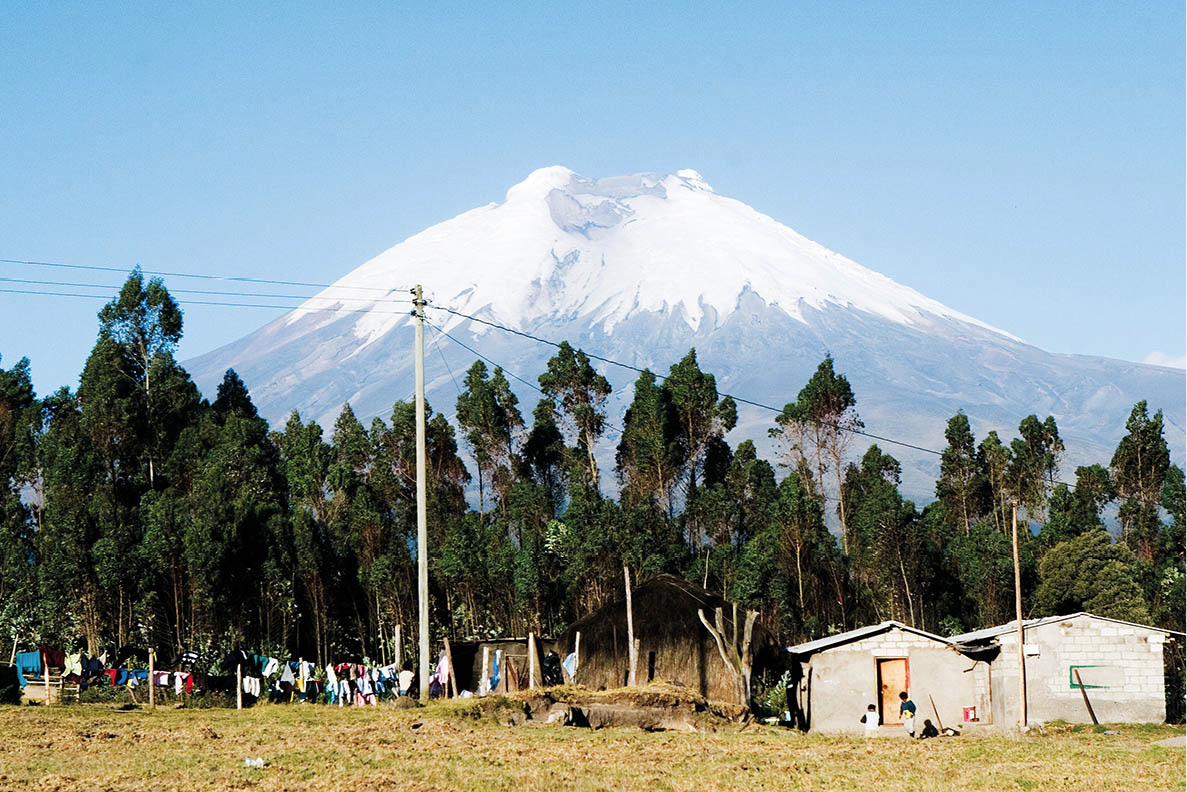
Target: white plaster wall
840,682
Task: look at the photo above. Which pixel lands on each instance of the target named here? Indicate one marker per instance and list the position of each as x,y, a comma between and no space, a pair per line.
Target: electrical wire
454,312
738,399
207,291
509,372
219,304
162,273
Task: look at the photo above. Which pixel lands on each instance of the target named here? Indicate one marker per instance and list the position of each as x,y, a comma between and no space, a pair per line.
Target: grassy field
452,746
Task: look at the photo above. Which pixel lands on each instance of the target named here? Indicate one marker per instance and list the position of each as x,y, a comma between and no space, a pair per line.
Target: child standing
870,719
906,709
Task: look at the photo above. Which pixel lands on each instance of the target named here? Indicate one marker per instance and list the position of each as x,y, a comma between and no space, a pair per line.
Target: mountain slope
641,268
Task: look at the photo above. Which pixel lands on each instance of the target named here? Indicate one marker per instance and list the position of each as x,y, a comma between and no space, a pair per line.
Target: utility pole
422,530
1021,633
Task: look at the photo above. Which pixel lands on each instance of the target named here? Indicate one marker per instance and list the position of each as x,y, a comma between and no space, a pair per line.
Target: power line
511,373
162,273
437,345
636,369
207,291
209,302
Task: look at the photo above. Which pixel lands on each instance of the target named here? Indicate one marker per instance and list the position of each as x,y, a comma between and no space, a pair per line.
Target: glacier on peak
640,242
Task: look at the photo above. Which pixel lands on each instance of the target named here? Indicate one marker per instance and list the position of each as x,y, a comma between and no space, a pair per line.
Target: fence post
531,660
152,680
239,687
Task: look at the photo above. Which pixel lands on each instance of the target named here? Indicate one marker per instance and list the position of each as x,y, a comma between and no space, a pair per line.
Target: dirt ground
454,746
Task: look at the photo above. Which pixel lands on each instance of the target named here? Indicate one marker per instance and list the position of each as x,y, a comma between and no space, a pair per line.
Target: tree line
135,511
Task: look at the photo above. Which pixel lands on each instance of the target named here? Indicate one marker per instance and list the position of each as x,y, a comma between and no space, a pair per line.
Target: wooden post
152,680
45,662
238,687
399,649
452,674
422,524
531,660
485,670
1084,693
631,646
1021,632
576,656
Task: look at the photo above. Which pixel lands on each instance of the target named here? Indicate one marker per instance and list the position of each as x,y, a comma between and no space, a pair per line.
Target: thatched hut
674,644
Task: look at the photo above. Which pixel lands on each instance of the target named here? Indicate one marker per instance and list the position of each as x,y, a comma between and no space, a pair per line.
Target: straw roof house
673,643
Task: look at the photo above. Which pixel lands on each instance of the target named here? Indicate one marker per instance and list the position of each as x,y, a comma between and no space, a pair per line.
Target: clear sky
1020,162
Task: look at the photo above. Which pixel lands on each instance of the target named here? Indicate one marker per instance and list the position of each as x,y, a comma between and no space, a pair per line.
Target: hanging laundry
29,663
270,666
73,665
494,674
406,678
570,664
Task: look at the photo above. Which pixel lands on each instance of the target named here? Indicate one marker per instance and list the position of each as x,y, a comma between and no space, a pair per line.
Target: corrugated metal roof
992,632
856,635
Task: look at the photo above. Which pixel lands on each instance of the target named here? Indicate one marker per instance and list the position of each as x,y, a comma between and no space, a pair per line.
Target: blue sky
1020,162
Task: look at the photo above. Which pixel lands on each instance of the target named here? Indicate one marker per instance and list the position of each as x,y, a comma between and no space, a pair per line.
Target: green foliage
1090,573
134,511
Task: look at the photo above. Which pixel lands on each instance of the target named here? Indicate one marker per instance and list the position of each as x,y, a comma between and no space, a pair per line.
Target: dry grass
453,746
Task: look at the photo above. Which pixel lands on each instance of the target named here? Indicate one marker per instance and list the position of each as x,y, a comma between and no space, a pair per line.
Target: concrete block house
1132,673
840,675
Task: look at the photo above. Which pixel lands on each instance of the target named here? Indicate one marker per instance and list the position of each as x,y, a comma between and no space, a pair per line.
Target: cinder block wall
1121,666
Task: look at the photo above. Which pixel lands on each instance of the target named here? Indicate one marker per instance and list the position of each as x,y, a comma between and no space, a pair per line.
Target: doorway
893,678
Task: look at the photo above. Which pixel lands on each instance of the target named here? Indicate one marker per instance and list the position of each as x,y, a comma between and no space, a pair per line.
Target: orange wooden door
892,680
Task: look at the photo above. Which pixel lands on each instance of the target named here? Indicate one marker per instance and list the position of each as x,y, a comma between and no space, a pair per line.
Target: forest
134,511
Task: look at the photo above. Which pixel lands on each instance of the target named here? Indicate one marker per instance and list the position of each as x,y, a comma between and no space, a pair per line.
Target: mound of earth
658,706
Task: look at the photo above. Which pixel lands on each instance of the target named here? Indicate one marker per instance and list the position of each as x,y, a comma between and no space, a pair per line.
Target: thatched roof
666,623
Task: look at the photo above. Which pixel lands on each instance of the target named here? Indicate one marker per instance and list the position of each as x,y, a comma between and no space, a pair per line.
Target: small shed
841,675
673,643
1127,669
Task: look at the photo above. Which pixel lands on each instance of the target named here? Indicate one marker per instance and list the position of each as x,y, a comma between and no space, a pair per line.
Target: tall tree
20,419
145,321
817,428
701,417
651,452
961,486
582,392
489,414
1139,468
1034,464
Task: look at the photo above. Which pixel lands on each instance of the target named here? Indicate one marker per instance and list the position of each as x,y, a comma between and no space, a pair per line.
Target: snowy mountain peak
566,246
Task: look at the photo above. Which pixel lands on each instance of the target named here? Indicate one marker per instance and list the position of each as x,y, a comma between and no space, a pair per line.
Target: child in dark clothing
906,709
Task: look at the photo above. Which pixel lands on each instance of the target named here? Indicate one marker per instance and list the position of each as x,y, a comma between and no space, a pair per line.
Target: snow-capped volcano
639,269
603,250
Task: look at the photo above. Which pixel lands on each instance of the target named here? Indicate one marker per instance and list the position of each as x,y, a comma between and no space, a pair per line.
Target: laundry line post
239,687
152,679
452,673
45,662
576,656
531,660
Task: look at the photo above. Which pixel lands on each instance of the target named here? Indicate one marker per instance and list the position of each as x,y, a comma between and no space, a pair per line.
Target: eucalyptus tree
1139,467
581,392
816,429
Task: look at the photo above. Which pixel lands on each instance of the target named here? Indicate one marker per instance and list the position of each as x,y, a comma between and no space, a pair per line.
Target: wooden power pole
1021,633
422,530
